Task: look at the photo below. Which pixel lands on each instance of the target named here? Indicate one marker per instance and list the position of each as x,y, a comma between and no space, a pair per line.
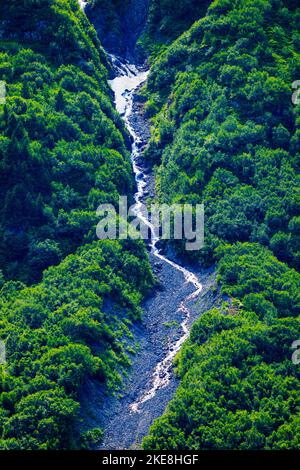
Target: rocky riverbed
160,327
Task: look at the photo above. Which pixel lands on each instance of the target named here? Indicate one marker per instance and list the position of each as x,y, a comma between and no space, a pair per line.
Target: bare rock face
119,24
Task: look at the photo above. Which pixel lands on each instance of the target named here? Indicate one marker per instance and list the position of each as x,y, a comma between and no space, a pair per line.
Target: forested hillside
225,132
72,327
63,151
225,129
62,148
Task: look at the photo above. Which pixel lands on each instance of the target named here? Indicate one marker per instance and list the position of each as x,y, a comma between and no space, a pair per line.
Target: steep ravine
118,24
183,294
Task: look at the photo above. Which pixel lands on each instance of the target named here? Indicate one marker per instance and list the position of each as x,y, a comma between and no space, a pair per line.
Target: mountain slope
226,133
63,146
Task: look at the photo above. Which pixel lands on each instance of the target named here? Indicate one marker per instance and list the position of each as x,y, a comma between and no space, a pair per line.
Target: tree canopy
226,133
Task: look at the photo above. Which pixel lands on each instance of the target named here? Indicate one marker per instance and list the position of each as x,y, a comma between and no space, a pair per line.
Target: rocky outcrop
119,24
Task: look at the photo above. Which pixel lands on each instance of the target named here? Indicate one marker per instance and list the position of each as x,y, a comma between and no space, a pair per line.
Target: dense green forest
62,147
73,326
63,151
225,132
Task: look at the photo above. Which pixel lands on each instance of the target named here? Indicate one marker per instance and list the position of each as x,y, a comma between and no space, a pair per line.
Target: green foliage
268,287
62,150
72,327
93,438
225,132
112,19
